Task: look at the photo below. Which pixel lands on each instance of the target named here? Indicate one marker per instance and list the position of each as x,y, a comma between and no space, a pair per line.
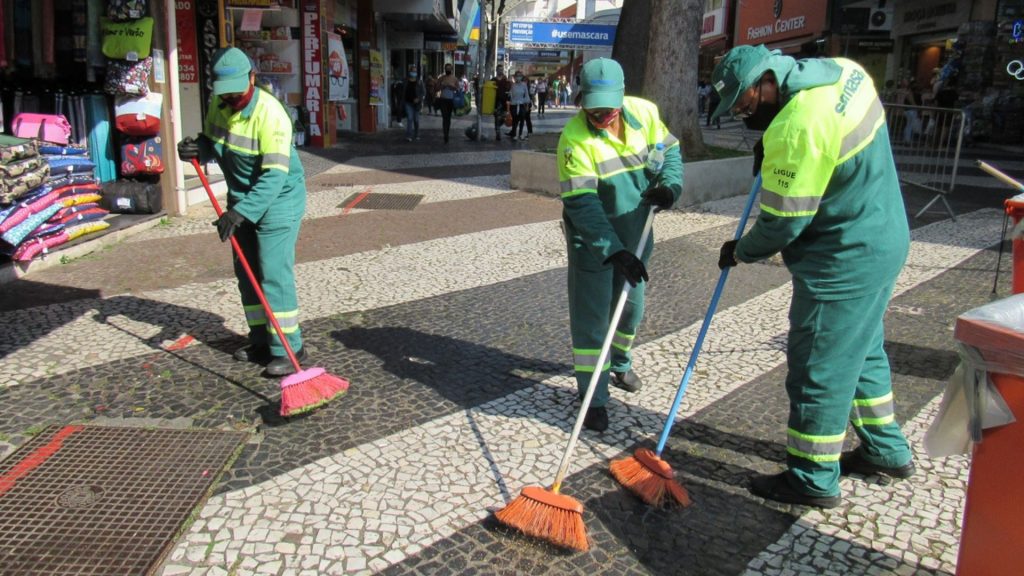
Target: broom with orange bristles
645,473
305,389
548,514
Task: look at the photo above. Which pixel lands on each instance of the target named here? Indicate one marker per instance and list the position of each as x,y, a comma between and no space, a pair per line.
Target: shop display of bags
13,148
130,40
47,127
138,116
132,197
125,77
141,156
126,9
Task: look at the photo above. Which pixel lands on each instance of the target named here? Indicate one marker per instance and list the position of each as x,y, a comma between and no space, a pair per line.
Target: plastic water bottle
656,159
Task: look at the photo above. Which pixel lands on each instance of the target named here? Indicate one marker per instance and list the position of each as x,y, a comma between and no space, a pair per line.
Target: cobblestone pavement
456,342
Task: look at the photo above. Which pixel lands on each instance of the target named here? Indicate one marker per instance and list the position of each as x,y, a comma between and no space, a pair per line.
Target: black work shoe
282,366
627,381
777,487
254,354
596,419
853,462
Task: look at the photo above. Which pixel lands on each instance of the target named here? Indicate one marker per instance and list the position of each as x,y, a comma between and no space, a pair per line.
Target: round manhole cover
80,496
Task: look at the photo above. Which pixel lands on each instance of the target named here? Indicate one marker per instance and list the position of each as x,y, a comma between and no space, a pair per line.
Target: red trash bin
992,539
1015,208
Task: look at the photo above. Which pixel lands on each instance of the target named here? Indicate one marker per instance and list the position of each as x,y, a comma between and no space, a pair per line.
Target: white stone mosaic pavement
428,160
375,504
66,337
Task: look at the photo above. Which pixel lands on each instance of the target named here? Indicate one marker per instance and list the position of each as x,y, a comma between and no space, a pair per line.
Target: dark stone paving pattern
466,347
716,452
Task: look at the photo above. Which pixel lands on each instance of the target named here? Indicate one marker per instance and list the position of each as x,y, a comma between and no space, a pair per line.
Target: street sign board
569,35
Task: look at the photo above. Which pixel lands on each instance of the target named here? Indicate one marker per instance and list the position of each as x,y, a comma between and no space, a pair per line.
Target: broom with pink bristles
305,389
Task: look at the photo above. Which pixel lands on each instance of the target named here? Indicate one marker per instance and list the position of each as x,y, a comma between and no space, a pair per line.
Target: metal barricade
926,148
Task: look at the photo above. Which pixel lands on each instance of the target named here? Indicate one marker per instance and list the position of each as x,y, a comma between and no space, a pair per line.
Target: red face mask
603,121
238,103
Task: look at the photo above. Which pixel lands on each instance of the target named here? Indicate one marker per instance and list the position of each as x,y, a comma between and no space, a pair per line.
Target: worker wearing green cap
248,132
831,204
606,189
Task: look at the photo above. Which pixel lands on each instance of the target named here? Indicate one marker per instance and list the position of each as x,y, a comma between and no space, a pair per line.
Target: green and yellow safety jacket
602,177
830,198
254,149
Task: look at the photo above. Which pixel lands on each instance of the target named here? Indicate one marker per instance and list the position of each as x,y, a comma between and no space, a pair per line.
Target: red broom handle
248,270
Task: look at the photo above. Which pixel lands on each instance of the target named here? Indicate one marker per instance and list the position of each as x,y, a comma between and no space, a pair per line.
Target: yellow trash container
490,94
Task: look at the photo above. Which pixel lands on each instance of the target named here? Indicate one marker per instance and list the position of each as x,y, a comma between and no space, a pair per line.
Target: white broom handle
563,467
999,174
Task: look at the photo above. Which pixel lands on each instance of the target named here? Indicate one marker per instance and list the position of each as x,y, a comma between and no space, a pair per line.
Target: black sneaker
627,381
777,487
254,354
596,419
853,462
282,365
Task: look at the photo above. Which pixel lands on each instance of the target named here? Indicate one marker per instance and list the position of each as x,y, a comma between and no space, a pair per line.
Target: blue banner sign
567,34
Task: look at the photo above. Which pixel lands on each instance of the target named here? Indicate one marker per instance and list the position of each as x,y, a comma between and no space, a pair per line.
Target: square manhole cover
380,201
103,500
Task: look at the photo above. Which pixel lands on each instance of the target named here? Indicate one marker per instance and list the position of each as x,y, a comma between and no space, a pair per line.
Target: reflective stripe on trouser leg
275,237
589,293
828,342
255,317
873,410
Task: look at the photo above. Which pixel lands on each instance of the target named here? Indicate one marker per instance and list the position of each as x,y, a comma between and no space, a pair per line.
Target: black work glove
627,264
188,149
727,255
227,223
659,196
758,156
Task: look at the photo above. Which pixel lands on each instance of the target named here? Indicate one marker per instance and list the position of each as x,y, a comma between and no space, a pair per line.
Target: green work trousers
594,290
269,246
839,373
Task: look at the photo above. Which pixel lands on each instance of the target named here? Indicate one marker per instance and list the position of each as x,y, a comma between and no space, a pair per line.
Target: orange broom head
543,514
308,389
650,478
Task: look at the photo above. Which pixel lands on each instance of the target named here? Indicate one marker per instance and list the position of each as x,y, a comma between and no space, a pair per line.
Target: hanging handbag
125,77
508,119
138,116
46,127
127,40
141,156
126,9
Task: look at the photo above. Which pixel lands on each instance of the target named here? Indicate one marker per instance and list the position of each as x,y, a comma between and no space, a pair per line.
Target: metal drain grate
379,201
101,500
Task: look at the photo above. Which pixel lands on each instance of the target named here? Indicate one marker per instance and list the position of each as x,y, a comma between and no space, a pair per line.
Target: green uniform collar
796,75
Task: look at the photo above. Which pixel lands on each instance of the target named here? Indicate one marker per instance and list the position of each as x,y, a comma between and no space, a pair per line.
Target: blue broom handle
707,323
563,467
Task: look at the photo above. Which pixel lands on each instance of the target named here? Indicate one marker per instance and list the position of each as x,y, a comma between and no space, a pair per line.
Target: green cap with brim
740,68
602,84
231,68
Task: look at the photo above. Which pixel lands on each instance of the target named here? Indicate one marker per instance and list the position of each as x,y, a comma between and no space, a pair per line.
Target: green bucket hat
740,68
602,84
231,68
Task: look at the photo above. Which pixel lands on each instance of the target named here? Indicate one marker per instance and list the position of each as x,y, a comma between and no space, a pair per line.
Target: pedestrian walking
831,204
556,92
448,85
542,95
519,100
413,93
501,105
249,134
601,165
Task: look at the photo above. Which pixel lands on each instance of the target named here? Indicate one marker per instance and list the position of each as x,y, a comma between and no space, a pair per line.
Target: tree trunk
671,75
631,39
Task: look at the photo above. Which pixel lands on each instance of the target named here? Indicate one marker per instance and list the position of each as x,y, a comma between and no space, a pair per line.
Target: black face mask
762,118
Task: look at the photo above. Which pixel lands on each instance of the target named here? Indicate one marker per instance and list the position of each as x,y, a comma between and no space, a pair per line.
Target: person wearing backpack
448,85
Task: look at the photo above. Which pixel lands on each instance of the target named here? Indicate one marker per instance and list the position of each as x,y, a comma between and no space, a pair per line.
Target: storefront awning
418,15
791,45
714,40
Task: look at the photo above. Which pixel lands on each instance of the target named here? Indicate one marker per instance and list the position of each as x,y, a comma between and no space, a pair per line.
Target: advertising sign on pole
337,69
188,51
312,70
376,78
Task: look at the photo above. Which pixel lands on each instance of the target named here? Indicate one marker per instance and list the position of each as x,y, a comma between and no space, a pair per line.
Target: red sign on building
188,48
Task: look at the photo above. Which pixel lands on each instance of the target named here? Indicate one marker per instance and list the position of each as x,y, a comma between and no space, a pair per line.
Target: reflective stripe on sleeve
788,206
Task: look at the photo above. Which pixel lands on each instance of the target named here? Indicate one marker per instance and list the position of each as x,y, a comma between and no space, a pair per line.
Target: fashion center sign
764,22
